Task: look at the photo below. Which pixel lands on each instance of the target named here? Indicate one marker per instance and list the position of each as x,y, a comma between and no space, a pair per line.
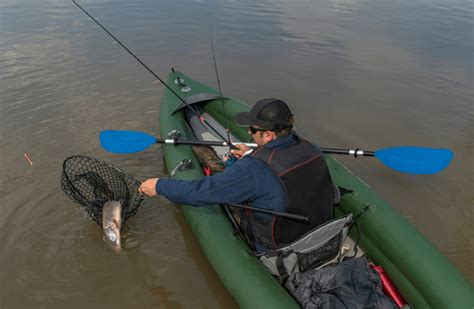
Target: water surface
362,74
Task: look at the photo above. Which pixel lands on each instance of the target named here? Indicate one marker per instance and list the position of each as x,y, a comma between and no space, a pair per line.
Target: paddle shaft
354,152
201,117
198,143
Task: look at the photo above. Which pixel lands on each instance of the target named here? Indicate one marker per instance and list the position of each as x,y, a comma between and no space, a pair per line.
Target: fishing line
201,117
220,90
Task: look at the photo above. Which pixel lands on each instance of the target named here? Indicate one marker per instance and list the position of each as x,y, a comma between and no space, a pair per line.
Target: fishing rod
79,175
274,213
220,90
201,117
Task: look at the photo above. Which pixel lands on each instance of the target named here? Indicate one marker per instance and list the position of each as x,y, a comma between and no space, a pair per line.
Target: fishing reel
228,159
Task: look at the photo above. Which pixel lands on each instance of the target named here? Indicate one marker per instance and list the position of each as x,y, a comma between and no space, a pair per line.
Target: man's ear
270,134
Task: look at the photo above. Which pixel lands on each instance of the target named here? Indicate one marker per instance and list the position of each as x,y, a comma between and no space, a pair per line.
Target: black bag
348,284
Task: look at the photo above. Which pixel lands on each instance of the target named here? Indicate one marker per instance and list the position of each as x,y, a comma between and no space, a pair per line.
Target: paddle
405,159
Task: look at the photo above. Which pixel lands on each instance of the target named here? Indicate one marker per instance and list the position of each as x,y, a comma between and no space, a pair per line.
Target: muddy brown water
361,74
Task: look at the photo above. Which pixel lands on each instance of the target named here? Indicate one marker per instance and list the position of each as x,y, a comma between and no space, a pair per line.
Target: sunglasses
254,130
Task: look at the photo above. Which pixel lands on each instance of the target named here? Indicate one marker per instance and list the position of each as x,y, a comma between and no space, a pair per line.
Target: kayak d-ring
180,81
174,134
183,165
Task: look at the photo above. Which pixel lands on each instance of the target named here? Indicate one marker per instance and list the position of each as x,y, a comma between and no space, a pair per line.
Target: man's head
267,120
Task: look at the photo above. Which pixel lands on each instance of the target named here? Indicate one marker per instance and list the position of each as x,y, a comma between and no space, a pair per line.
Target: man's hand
148,187
239,153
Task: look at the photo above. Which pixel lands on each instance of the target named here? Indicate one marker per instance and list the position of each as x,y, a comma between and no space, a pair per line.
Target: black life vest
305,176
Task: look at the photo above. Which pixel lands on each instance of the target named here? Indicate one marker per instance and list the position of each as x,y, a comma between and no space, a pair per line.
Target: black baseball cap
271,114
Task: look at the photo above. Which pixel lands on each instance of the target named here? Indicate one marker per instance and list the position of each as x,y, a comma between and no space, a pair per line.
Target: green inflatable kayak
424,276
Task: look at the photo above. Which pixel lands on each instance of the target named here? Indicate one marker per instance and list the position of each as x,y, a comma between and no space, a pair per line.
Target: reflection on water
357,74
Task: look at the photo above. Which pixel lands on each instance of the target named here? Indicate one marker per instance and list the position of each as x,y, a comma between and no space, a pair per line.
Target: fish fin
116,223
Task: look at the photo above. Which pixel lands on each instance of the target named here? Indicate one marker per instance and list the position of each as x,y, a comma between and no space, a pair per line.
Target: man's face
260,136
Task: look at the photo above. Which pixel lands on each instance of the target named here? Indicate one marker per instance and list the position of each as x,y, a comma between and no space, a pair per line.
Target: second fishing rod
201,117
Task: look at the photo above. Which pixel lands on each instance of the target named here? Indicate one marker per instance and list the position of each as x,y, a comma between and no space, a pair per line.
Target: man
285,173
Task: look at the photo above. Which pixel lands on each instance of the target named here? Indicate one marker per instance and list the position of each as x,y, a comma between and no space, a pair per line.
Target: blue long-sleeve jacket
247,180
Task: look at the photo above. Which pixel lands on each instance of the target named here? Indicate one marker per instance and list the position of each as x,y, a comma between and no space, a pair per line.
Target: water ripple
365,73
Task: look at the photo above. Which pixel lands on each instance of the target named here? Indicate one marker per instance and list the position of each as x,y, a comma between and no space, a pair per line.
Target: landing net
91,182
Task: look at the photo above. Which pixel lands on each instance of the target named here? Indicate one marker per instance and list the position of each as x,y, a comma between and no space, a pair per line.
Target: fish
111,223
208,158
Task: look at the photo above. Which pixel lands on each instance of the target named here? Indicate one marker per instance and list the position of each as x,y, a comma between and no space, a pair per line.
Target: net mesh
91,182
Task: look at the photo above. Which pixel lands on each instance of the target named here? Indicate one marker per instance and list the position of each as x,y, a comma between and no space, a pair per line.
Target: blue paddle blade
125,141
415,160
